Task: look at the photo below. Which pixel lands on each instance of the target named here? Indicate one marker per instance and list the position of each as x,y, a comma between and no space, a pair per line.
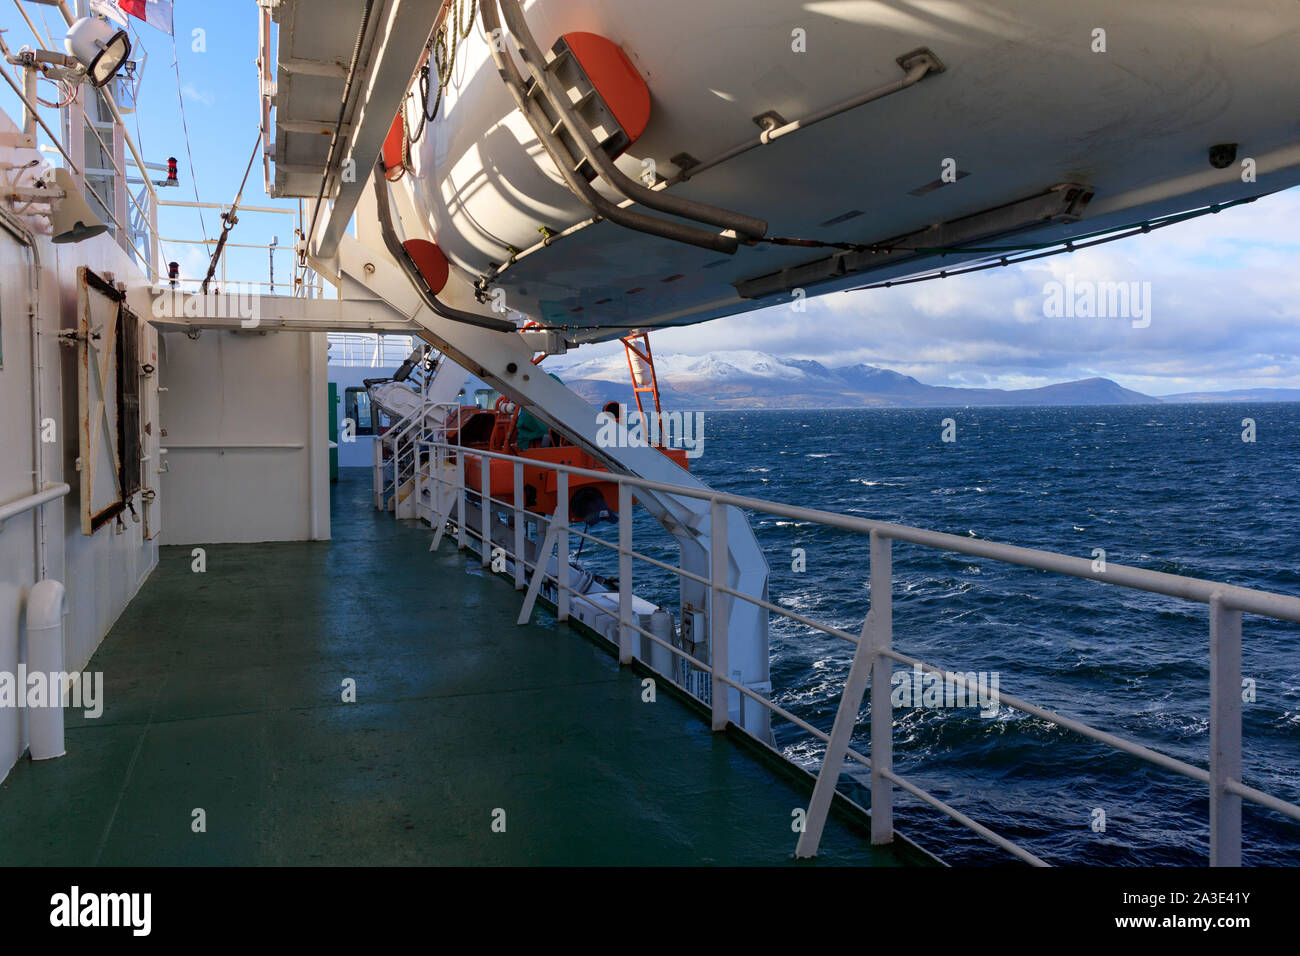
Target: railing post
390,467
719,612
485,512
121,191
519,526
418,477
880,636
1225,733
539,572
628,639
460,498
441,514
155,273
866,659
562,544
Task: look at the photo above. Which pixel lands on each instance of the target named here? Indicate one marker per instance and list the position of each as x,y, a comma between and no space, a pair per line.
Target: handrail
376,349
13,84
152,256
874,654
32,502
300,273
1269,604
238,446
124,231
225,207
399,438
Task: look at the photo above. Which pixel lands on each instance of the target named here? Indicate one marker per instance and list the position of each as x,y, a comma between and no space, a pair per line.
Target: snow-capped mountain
745,378
715,367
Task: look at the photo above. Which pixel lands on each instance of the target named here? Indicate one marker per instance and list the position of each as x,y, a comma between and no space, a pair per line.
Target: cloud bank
1224,313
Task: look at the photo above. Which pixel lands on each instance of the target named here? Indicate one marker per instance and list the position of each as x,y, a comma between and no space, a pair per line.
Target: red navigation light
171,172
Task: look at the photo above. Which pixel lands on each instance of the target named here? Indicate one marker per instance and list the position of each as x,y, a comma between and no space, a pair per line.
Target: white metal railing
401,443
302,281
874,653
369,349
137,229
75,160
29,503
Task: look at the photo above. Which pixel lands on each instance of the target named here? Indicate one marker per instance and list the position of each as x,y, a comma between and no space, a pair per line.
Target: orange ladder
641,365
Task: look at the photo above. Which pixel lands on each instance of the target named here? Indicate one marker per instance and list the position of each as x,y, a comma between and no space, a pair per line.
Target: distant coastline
715,409
750,381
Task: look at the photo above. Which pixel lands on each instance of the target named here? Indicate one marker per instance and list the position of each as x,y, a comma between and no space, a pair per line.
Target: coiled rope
442,54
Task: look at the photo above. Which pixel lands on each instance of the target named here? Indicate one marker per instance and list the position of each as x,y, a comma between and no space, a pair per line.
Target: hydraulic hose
403,259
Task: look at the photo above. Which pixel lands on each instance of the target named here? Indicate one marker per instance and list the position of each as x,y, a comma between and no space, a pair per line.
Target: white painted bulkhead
247,446
101,572
244,413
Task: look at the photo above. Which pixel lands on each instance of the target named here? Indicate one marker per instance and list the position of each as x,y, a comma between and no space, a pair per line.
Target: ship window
356,406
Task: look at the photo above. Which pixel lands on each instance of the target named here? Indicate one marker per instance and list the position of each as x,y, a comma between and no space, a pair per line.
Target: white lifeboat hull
1026,102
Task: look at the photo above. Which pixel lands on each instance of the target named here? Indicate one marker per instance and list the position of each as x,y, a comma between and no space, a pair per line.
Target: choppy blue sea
1173,488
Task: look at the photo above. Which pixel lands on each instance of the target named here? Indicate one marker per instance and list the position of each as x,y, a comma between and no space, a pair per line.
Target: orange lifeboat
590,499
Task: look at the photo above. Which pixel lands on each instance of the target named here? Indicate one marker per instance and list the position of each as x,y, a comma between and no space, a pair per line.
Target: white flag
156,13
109,10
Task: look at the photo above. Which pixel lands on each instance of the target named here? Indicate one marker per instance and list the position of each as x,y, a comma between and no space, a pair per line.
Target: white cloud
1225,313
197,96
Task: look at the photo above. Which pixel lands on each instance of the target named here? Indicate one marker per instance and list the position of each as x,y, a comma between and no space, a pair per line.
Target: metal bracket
919,56
1063,203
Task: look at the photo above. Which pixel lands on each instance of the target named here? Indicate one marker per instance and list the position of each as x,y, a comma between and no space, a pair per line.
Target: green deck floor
223,692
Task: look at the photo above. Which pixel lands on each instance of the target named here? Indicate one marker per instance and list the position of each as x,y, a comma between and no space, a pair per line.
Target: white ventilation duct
46,606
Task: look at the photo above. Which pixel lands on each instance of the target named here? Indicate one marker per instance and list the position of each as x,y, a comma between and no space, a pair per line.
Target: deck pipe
46,606
661,626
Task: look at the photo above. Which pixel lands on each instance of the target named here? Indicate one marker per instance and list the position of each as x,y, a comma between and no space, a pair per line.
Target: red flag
156,13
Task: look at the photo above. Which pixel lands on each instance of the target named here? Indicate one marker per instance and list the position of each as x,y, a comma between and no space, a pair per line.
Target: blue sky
219,87
1225,289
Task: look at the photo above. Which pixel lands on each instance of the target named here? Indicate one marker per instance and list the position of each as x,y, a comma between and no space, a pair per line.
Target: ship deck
224,693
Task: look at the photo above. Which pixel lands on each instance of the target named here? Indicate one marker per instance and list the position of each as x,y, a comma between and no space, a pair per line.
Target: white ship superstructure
503,181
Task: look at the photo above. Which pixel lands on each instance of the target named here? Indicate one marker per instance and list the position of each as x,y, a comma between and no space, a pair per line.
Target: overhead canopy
313,51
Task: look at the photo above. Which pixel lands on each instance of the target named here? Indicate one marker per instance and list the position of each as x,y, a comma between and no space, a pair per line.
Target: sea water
1174,488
